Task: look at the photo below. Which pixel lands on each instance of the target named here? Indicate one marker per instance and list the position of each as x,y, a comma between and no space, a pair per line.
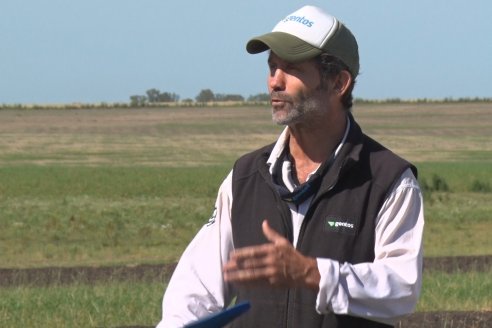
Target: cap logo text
299,19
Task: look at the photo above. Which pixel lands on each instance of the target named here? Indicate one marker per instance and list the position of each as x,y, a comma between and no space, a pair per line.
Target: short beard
308,107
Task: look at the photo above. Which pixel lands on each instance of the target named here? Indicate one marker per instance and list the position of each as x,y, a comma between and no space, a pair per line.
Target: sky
89,51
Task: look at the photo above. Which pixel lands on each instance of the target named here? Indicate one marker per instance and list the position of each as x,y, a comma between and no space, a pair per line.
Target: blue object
222,318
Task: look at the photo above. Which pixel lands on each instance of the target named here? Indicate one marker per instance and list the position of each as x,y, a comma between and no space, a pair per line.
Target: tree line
154,96
206,97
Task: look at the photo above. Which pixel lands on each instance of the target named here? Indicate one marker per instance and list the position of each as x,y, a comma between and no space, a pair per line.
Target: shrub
439,183
480,186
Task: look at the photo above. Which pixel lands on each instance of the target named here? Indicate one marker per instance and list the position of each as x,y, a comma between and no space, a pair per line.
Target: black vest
339,224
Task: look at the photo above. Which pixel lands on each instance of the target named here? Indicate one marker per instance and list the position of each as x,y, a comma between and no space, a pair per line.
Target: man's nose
277,80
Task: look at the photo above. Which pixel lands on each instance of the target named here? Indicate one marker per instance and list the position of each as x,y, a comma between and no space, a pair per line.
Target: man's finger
252,251
271,234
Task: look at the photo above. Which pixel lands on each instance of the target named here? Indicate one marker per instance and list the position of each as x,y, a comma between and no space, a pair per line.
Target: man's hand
276,263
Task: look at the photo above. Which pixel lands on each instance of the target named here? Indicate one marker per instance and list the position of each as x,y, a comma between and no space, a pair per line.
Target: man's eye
291,67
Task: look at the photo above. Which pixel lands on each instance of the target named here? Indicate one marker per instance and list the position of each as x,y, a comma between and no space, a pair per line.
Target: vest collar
348,155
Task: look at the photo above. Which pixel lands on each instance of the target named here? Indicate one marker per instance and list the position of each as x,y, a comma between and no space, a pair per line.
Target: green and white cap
305,34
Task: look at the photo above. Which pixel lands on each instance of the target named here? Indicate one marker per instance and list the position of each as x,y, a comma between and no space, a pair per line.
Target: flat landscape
130,187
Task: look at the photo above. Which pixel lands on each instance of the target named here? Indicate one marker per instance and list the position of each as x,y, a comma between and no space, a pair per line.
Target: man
322,228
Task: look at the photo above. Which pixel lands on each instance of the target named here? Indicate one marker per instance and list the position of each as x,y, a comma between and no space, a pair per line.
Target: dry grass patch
189,136
156,137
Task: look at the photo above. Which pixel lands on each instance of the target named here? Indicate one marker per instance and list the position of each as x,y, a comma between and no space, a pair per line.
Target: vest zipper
300,238
316,197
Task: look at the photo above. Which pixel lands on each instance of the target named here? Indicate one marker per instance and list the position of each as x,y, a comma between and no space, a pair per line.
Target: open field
132,186
82,187
115,303
455,132
168,137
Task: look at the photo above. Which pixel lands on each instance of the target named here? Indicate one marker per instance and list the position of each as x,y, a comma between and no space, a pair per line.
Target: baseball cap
305,34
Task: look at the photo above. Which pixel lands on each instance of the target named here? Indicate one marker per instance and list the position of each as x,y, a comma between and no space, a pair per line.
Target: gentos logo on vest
299,19
340,225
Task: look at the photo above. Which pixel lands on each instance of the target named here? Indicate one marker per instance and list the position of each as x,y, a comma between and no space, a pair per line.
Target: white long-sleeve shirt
383,290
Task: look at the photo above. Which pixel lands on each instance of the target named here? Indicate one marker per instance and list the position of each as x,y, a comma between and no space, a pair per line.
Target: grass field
102,305
116,304
103,187
133,186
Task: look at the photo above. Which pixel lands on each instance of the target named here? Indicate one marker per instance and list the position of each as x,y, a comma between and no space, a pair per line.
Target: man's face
296,91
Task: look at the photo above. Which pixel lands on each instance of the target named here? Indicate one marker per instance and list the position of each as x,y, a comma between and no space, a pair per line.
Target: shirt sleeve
387,288
197,287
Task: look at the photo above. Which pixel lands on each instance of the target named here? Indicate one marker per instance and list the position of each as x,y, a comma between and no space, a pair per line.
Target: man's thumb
271,234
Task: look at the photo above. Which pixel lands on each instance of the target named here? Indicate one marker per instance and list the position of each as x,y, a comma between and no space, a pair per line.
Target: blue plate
222,318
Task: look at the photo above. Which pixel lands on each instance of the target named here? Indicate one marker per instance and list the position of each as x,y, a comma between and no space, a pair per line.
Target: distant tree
228,97
259,97
138,101
153,95
168,97
206,95
234,97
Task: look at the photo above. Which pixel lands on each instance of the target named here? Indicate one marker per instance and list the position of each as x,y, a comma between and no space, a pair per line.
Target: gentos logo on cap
299,19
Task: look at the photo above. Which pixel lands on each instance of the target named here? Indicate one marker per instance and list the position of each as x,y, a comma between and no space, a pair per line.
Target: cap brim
284,45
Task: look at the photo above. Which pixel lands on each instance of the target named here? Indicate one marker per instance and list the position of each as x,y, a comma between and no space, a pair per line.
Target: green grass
69,215
105,187
93,215
123,186
460,176
458,218
51,182
468,291
116,304
103,305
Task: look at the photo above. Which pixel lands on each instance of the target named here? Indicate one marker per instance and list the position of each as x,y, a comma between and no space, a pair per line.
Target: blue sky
61,51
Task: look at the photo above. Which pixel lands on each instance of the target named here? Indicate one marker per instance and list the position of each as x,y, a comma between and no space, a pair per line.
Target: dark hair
330,67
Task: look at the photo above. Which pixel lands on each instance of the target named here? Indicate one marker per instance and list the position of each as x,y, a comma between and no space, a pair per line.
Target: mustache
278,95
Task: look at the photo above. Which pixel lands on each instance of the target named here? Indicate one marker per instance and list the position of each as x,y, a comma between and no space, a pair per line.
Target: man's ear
342,82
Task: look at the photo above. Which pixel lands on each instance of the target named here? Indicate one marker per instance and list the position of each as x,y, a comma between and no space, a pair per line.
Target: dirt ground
68,275
160,272
447,320
434,320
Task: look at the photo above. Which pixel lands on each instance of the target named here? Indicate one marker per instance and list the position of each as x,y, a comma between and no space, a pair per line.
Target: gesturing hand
276,263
